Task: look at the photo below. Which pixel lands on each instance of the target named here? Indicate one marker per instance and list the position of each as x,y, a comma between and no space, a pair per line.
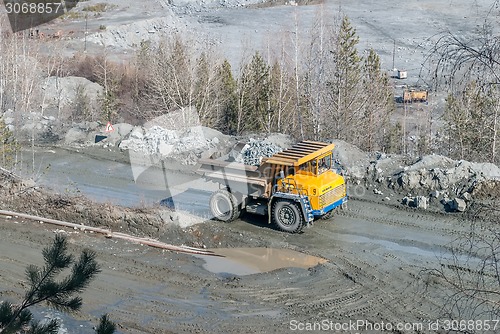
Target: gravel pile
452,183
253,152
132,35
187,145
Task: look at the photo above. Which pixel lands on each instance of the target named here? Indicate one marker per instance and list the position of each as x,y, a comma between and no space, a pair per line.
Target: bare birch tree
457,61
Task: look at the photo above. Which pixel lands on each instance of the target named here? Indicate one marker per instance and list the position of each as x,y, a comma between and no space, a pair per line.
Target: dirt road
375,254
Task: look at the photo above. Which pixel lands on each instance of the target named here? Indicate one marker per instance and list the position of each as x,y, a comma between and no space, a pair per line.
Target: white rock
458,204
466,196
434,194
420,202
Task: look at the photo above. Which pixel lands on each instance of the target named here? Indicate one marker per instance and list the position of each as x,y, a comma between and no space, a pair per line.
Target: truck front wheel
287,216
224,206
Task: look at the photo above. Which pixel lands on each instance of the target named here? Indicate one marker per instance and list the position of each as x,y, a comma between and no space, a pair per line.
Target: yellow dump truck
293,187
414,95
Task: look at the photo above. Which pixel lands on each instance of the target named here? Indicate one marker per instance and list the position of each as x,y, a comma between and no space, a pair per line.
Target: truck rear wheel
287,216
224,206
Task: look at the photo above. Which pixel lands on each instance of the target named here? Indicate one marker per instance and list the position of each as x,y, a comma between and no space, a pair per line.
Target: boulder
420,202
458,204
434,194
467,196
75,135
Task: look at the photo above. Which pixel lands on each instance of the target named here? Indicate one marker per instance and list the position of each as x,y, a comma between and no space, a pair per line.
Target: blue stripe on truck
329,207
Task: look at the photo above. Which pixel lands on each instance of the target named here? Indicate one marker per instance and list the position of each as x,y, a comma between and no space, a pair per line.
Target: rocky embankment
423,182
429,181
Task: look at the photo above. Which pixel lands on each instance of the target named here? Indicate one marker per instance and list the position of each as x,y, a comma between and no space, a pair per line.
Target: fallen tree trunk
110,234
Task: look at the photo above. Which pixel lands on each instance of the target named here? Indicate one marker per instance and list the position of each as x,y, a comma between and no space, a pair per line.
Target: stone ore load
253,152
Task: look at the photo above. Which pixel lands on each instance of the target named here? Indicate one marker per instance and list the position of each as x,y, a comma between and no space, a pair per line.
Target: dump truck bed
257,181
236,176
299,153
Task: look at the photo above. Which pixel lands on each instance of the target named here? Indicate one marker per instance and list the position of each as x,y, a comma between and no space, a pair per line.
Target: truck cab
317,180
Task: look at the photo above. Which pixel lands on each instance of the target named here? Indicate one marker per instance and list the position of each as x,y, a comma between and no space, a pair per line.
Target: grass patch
97,8
72,15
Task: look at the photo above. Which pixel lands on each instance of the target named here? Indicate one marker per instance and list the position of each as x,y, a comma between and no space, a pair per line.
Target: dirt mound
353,160
24,196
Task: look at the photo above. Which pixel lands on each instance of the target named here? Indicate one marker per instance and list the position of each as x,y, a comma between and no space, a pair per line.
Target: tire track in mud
148,291
364,279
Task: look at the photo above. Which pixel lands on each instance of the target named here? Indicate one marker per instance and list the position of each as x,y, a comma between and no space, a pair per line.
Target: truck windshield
324,164
317,166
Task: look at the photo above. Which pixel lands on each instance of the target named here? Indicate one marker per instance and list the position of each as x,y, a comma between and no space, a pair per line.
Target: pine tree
378,104
344,83
227,115
254,93
106,326
61,295
392,139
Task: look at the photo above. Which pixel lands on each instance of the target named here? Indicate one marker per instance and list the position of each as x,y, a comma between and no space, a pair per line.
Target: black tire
224,206
287,216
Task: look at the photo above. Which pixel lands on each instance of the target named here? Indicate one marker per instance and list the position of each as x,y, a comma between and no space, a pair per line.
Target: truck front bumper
330,207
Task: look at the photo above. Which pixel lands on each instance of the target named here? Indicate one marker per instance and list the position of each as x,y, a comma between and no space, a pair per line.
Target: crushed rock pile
453,183
187,145
253,152
133,34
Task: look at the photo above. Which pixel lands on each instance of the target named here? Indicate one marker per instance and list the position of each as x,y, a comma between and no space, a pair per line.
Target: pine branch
51,327
106,326
45,289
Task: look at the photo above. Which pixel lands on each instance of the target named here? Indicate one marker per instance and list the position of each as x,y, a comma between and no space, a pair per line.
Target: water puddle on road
247,261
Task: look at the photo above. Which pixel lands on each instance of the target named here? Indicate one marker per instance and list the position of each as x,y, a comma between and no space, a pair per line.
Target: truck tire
224,206
287,216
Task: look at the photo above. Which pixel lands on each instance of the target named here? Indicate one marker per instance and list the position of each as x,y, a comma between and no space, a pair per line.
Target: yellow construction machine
293,187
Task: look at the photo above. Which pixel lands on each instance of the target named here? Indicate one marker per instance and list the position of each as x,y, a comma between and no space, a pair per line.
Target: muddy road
375,256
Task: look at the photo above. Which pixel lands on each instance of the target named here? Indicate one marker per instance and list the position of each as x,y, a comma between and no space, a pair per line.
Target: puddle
247,261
